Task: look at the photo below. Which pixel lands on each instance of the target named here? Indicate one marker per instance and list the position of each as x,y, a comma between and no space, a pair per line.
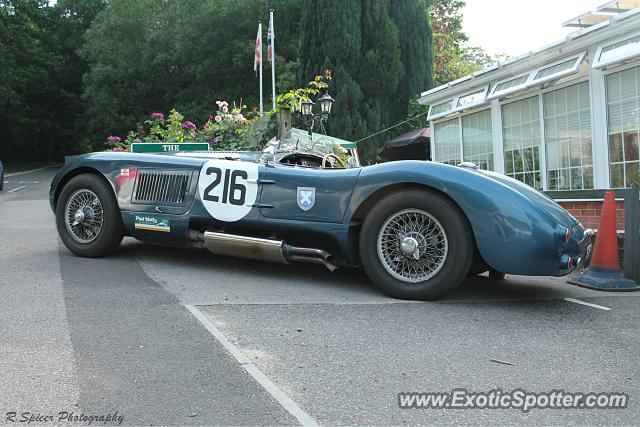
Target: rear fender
513,235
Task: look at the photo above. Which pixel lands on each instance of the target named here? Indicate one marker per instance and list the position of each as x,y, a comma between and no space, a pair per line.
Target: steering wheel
337,161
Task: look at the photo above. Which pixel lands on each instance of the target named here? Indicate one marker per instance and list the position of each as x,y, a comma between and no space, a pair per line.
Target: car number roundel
228,189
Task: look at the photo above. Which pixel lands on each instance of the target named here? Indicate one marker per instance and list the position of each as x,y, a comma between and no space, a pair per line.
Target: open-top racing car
416,228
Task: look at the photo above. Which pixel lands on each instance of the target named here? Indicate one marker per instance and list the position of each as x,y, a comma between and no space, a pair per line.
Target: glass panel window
511,83
617,52
477,139
447,142
556,69
521,135
563,68
623,112
567,128
472,99
441,109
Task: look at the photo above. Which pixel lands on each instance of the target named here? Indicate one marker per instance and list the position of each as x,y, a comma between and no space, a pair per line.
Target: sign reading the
165,148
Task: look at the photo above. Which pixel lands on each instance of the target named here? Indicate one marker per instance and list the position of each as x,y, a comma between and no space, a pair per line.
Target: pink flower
113,139
225,109
188,125
240,117
218,118
157,116
222,104
118,149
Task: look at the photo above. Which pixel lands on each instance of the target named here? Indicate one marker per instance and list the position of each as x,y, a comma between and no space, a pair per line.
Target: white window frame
531,76
574,69
459,118
598,64
516,88
454,103
604,74
543,154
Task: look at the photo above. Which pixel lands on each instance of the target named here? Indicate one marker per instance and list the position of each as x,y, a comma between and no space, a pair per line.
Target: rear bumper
579,255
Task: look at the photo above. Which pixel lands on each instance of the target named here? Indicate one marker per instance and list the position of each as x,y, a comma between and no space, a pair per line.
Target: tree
149,56
453,59
40,81
371,46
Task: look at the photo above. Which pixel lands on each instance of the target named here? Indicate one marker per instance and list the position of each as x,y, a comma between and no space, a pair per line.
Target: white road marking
280,396
577,301
29,171
17,188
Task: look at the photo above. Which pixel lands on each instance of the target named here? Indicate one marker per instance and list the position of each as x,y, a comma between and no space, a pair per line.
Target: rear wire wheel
416,244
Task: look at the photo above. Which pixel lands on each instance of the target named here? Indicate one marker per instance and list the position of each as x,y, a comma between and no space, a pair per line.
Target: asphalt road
286,344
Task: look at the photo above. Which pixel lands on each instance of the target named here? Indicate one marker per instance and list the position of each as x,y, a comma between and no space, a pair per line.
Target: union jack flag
258,57
271,35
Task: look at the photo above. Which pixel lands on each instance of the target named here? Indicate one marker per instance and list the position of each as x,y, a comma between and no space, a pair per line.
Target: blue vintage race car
416,228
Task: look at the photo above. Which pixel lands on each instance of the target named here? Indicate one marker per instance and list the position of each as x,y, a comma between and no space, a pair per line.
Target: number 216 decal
228,189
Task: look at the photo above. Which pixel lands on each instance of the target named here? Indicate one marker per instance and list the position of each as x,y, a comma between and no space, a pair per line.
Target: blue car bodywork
517,230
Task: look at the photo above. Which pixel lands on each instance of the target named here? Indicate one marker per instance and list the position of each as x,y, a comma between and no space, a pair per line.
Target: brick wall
588,212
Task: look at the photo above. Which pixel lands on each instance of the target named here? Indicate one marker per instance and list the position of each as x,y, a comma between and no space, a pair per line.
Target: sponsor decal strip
152,223
152,228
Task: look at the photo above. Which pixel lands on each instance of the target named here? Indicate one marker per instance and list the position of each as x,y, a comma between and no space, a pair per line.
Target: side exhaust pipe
258,249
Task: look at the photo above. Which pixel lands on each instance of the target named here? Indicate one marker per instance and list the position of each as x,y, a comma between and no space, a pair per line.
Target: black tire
107,240
454,266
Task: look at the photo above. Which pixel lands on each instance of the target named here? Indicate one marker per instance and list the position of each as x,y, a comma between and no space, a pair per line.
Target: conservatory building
565,117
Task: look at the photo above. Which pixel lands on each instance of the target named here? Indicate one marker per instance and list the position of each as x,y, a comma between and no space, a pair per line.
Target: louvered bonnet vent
161,187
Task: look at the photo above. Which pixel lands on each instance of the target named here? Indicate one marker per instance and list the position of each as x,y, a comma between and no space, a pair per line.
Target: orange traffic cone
604,271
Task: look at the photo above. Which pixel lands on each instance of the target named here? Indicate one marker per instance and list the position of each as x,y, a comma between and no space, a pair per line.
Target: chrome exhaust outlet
315,256
258,249
245,247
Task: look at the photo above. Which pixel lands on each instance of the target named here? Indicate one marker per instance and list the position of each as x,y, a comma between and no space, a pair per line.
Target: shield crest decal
306,197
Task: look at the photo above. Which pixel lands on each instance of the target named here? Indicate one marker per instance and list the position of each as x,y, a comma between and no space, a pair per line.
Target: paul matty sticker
152,223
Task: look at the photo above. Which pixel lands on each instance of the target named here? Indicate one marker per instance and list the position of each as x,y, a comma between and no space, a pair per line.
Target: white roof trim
624,52
454,103
625,23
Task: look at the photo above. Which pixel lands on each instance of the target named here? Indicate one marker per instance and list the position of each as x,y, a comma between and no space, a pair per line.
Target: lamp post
306,112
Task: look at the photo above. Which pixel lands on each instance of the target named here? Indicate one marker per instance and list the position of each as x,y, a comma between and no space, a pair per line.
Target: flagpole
261,99
273,59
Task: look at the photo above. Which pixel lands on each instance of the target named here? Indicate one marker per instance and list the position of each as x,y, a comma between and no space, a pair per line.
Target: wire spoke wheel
412,245
84,216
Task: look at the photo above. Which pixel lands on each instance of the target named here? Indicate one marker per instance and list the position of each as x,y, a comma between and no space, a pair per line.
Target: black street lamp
306,112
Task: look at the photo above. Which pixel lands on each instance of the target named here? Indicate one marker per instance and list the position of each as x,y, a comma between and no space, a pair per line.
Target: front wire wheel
88,218
416,244
84,216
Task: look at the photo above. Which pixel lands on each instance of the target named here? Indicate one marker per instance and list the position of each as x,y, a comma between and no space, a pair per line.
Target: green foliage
40,106
75,70
226,129
152,56
379,52
291,99
452,58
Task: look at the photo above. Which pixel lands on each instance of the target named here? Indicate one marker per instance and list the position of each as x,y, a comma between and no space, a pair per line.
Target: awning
412,145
